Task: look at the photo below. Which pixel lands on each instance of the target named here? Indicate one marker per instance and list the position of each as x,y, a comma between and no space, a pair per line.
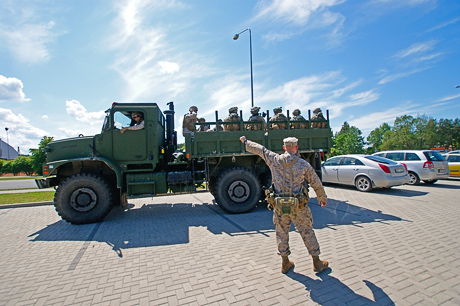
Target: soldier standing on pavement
232,116
301,121
255,117
289,199
279,116
189,120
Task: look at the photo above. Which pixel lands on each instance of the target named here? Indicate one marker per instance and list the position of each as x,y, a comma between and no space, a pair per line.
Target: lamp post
8,142
250,60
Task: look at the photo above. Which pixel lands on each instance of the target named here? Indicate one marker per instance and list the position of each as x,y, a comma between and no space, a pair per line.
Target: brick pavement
389,247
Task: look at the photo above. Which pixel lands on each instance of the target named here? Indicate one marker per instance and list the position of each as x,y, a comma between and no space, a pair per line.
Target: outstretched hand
322,203
243,139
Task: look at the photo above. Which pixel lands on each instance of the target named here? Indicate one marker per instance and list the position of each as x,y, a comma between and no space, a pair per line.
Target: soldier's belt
286,205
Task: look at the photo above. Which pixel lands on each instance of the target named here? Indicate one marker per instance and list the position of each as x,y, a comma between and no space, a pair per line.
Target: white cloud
11,90
393,77
79,112
29,42
168,67
416,48
72,132
444,24
45,117
448,98
21,133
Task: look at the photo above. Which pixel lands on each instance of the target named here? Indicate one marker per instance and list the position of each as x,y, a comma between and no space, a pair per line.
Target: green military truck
95,173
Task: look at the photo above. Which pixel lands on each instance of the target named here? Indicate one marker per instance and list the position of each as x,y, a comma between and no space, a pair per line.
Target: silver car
423,165
365,172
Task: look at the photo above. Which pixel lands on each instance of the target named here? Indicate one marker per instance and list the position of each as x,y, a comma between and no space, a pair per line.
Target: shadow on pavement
329,289
167,224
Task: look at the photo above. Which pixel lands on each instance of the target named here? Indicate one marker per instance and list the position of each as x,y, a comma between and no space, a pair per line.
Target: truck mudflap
46,183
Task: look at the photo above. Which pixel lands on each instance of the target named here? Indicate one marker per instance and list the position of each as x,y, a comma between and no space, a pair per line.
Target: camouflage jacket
189,121
301,170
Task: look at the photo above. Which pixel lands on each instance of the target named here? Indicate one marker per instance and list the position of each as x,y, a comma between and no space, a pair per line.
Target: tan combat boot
286,265
319,265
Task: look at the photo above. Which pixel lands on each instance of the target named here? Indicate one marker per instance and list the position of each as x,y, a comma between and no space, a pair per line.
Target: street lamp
8,142
250,60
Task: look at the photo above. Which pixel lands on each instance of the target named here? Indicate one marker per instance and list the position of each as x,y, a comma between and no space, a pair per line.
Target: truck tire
83,198
237,190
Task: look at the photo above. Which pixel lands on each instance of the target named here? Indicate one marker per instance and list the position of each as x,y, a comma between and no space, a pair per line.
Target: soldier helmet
290,141
233,109
296,112
317,110
193,108
255,110
278,110
201,120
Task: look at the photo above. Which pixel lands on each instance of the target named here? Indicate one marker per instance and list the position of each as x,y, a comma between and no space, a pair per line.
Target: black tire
430,182
211,184
83,198
237,190
413,178
363,184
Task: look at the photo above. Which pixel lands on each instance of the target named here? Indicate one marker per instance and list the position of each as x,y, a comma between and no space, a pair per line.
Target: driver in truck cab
138,119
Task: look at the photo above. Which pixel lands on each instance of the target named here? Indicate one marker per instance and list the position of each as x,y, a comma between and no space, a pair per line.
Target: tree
38,155
23,164
348,141
7,167
375,138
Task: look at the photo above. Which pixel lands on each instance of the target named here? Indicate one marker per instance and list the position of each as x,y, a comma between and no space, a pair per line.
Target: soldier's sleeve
260,150
315,182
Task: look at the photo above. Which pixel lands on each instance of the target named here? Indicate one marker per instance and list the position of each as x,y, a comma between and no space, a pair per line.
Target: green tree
38,155
7,167
348,141
1,166
375,138
23,164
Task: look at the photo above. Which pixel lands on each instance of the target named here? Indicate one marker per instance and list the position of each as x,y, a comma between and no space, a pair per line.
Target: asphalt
388,247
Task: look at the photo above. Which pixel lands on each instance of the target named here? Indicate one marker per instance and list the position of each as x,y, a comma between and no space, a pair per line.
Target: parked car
365,172
453,152
453,160
423,165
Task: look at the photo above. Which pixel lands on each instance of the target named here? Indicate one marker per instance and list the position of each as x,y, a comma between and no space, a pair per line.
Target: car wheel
413,178
83,198
364,184
237,190
430,182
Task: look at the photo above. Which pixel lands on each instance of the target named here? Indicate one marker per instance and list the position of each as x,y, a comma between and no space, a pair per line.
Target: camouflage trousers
303,222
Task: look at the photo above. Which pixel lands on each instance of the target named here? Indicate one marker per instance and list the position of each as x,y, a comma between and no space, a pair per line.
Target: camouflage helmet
255,110
317,110
201,120
278,110
233,109
193,108
296,112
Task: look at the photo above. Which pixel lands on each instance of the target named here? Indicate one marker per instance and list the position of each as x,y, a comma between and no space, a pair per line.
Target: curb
17,205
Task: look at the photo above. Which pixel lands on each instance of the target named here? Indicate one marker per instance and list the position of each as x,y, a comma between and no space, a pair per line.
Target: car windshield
382,160
433,156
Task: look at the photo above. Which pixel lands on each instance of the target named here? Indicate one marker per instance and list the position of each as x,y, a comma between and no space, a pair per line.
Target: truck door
130,145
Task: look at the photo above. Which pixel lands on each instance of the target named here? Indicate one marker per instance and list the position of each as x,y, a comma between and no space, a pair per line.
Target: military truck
93,174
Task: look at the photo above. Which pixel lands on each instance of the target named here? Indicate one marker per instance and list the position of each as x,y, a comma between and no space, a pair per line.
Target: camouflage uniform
189,121
302,219
278,117
202,128
302,124
255,117
232,116
219,125
318,115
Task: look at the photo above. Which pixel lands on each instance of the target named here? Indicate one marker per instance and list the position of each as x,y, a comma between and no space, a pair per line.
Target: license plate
399,170
442,171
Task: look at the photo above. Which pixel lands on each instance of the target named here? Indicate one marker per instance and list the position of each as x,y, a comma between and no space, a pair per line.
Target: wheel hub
239,191
83,199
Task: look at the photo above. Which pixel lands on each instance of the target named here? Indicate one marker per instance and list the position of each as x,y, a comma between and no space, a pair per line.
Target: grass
13,178
27,197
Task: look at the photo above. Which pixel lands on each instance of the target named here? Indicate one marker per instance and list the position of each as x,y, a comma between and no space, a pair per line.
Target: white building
7,152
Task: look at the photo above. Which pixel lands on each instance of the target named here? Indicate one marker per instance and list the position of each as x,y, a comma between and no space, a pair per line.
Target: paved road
389,247
17,184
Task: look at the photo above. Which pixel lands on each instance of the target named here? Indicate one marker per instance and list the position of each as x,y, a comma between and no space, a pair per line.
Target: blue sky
63,63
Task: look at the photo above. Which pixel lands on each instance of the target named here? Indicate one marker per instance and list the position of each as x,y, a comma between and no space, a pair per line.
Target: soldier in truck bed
289,198
189,120
232,116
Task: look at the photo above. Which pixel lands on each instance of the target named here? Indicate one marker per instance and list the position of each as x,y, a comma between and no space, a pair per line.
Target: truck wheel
237,190
83,198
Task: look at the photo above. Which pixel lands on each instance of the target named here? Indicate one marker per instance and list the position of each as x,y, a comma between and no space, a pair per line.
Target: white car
365,172
423,165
